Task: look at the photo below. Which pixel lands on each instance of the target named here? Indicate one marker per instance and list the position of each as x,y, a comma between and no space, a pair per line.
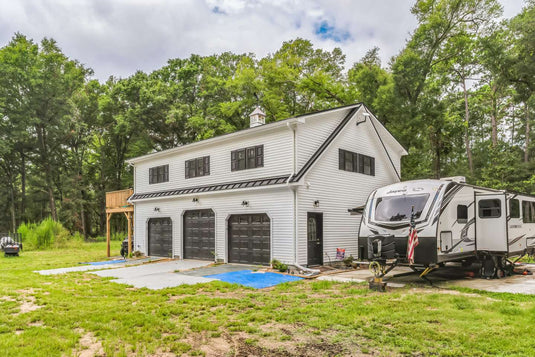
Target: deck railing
117,199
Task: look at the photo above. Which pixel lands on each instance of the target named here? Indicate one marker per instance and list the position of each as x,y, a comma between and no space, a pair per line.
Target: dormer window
247,158
159,174
197,167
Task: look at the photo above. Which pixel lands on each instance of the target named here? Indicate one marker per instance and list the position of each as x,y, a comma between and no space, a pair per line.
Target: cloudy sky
118,37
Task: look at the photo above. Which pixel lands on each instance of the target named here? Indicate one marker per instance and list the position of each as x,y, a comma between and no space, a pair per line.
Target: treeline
459,96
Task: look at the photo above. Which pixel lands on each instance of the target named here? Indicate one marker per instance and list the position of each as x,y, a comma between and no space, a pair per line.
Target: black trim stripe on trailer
516,239
464,240
448,196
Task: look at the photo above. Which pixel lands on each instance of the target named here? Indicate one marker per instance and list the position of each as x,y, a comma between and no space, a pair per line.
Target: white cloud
118,37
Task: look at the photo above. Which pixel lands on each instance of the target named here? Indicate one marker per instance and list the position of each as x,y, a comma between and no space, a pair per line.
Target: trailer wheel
488,267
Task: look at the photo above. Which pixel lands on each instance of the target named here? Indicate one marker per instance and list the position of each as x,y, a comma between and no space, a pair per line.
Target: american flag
413,243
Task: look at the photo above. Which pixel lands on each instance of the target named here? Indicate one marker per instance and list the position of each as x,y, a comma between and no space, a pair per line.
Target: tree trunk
12,206
494,118
23,185
41,134
526,151
466,134
513,127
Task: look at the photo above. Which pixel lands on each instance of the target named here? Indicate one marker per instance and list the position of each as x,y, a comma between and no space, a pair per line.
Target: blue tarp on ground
106,262
257,280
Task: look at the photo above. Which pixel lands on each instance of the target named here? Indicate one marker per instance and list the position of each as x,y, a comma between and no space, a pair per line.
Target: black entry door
199,234
315,238
160,237
249,239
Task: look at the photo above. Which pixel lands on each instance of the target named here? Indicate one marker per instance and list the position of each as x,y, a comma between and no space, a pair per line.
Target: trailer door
491,222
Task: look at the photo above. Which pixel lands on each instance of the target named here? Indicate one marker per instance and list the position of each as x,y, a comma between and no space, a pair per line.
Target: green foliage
458,96
327,318
47,234
275,264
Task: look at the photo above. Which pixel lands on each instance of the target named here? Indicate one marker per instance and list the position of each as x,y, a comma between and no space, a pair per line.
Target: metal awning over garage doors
199,234
249,239
160,237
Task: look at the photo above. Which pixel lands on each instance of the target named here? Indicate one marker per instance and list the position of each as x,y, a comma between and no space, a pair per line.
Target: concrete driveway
157,275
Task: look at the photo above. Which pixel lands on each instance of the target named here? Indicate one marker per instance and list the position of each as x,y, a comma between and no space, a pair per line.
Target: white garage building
273,191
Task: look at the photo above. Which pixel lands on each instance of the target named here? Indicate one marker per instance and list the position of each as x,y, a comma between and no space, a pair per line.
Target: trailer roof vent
458,179
257,118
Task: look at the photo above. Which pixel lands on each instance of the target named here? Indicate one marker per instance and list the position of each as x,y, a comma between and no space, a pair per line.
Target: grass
80,312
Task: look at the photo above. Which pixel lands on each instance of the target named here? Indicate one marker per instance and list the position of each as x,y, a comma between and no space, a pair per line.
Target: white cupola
257,117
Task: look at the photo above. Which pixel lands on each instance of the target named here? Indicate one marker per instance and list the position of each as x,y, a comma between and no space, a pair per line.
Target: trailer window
398,208
462,213
528,211
491,208
514,208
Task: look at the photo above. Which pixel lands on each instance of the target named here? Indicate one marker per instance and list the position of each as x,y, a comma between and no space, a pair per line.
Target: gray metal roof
269,181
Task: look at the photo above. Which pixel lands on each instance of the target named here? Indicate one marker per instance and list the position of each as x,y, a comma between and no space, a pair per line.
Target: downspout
292,127
301,269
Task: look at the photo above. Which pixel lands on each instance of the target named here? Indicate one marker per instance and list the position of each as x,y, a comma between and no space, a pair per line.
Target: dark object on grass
124,248
10,246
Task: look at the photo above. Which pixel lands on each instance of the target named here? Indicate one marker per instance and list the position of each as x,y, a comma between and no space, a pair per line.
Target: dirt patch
7,298
36,324
89,346
28,301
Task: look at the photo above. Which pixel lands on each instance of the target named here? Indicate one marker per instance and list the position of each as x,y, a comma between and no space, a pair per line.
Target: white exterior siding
339,190
278,151
315,130
276,202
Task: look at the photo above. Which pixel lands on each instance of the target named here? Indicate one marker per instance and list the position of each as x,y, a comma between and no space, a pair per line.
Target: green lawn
82,313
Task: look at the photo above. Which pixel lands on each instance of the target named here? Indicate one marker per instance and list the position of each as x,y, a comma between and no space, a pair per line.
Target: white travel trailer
455,222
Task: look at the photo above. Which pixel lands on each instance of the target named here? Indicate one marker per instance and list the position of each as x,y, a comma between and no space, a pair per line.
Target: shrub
348,261
46,234
279,266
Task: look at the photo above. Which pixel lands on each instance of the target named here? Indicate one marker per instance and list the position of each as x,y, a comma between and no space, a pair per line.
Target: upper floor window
248,158
353,162
159,174
197,167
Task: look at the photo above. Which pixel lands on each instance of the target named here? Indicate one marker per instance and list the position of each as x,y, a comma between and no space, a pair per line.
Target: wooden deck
116,202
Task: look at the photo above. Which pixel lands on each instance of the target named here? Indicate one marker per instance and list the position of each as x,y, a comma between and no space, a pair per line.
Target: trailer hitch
379,268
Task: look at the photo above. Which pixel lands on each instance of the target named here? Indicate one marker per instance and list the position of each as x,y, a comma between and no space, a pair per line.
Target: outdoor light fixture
195,200
156,209
365,115
245,203
316,203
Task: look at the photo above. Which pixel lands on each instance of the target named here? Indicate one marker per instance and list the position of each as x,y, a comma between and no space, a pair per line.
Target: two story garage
272,191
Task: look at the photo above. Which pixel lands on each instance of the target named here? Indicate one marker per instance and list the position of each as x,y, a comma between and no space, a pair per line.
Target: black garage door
160,237
249,239
199,234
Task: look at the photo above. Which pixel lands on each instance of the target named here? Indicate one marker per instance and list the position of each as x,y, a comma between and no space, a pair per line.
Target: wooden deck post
117,202
108,235
129,219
